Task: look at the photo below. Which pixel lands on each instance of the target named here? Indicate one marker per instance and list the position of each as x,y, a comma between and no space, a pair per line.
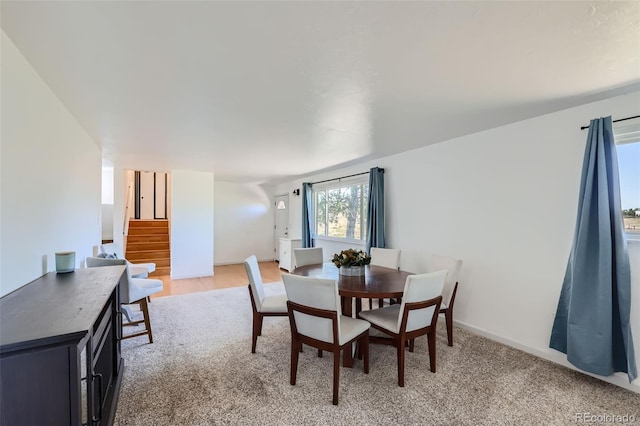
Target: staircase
148,242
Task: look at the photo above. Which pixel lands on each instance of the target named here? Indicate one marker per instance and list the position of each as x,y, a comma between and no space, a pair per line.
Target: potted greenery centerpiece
351,261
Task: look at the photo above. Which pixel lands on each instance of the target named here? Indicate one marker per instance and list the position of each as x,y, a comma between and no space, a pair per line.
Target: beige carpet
200,371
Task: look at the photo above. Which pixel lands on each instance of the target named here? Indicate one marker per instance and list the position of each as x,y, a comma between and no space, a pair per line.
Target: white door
161,195
281,207
146,195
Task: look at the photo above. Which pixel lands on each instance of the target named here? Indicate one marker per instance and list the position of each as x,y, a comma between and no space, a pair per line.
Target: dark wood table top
56,307
377,283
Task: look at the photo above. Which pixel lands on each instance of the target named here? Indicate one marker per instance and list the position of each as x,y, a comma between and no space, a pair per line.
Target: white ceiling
266,91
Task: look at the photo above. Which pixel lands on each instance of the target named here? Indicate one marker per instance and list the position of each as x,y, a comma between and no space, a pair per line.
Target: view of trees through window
341,211
631,219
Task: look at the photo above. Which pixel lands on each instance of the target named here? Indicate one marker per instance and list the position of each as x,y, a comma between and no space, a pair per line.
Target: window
628,148
340,210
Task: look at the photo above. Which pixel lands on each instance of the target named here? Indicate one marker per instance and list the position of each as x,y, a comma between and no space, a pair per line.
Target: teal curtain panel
591,324
307,194
375,230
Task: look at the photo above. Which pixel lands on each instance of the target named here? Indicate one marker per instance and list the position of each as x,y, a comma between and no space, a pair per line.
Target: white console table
287,261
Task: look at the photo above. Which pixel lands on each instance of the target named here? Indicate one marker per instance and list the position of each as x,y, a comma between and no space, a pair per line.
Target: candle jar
65,261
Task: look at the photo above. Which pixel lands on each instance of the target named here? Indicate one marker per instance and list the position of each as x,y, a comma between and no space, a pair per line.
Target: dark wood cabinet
60,360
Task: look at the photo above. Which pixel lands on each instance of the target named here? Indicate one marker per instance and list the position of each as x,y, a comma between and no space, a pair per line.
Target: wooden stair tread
147,252
156,260
148,230
154,238
153,245
148,222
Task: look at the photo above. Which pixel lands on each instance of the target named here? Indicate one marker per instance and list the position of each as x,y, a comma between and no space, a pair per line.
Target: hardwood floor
225,276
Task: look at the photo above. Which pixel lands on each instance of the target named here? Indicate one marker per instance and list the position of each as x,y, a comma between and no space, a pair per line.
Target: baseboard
618,379
183,277
242,261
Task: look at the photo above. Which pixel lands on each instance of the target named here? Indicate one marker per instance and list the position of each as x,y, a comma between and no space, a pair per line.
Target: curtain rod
342,177
615,121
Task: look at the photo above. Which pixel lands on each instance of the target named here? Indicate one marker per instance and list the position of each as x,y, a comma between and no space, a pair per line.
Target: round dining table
377,282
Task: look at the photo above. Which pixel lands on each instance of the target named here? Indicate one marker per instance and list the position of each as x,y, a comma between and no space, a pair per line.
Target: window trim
341,240
625,134
339,183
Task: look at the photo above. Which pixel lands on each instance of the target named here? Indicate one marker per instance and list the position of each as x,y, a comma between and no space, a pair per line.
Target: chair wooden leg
144,308
319,353
336,374
147,322
448,316
364,349
411,344
401,363
431,338
257,330
370,304
260,319
295,350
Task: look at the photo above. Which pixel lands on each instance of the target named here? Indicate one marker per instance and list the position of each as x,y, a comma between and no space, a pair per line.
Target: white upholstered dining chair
386,257
308,256
452,266
261,305
132,291
389,258
316,320
116,249
416,316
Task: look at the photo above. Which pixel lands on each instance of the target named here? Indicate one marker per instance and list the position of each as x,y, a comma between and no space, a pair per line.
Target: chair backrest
308,256
125,287
112,248
316,293
255,280
389,258
420,288
452,266
131,289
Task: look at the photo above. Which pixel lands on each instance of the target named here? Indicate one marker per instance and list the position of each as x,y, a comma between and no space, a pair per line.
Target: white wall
107,185
120,191
107,221
50,177
107,203
244,222
192,219
504,201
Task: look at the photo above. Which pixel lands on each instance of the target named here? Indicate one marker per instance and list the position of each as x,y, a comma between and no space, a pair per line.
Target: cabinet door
285,254
37,387
106,363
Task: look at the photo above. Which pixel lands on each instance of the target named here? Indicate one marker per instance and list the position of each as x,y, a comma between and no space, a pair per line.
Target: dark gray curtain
307,238
592,320
375,229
